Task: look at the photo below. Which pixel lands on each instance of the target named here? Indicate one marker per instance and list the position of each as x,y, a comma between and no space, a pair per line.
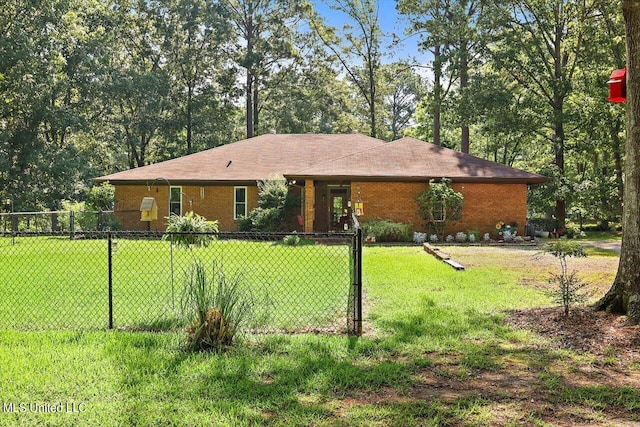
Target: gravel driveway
610,245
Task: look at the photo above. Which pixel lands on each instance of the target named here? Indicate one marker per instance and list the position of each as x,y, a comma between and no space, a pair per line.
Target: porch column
309,203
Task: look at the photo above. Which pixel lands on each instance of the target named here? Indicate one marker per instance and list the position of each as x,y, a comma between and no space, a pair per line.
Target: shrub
190,223
82,220
568,286
275,204
291,240
387,231
101,197
543,224
218,305
461,237
261,219
439,205
419,238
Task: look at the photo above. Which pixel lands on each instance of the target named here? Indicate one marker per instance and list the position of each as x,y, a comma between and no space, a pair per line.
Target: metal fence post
110,286
72,225
357,282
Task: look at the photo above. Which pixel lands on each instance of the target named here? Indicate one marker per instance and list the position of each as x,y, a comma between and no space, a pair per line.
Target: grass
57,282
428,330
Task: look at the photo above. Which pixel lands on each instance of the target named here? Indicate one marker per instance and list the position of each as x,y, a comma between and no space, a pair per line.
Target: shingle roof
325,156
412,159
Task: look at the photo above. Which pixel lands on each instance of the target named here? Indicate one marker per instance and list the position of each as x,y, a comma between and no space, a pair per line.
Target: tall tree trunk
558,143
559,95
255,109
372,97
464,78
189,117
624,295
250,76
437,93
617,156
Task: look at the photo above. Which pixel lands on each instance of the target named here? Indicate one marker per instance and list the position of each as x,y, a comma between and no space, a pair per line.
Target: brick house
330,173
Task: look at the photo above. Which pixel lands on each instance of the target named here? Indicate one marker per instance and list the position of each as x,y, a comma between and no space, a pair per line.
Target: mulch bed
584,329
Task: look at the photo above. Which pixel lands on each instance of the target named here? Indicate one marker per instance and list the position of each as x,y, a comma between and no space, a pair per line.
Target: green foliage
568,285
101,197
82,219
190,223
387,231
358,48
261,219
219,305
562,248
272,192
275,204
291,240
544,224
439,205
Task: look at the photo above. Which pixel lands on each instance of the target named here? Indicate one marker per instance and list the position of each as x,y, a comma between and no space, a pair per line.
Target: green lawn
57,282
428,327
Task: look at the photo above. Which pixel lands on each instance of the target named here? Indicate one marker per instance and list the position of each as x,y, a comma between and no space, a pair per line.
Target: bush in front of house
439,205
261,219
275,206
291,240
387,231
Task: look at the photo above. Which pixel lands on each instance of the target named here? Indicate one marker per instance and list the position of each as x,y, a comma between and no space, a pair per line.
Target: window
439,212
175,201
240,202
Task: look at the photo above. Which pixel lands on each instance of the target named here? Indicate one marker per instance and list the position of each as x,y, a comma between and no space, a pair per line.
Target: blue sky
390,23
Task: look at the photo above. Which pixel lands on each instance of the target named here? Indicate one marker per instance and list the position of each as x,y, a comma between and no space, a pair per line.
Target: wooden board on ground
436,252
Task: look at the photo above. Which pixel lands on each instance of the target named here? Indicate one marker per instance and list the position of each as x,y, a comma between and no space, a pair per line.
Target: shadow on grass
311,379
441,326
287,377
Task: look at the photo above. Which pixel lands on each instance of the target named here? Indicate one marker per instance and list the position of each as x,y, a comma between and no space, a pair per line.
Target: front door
338,209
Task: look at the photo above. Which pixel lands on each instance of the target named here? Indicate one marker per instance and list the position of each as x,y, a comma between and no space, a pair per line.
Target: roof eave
395,178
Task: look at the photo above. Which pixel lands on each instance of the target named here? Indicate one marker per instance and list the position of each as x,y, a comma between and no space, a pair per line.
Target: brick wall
214,202
484,204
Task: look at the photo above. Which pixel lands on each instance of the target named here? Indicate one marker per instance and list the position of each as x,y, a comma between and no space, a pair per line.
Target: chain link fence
137,280
57,221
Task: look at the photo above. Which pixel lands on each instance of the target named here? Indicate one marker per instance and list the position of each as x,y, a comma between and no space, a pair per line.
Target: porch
326,205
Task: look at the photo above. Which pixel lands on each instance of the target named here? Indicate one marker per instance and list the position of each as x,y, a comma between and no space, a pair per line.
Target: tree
542,47
455,31
568,285
140,85
265,33
312,97
403,90
51,66
624,295
429,18
439,205
195,34
358,50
